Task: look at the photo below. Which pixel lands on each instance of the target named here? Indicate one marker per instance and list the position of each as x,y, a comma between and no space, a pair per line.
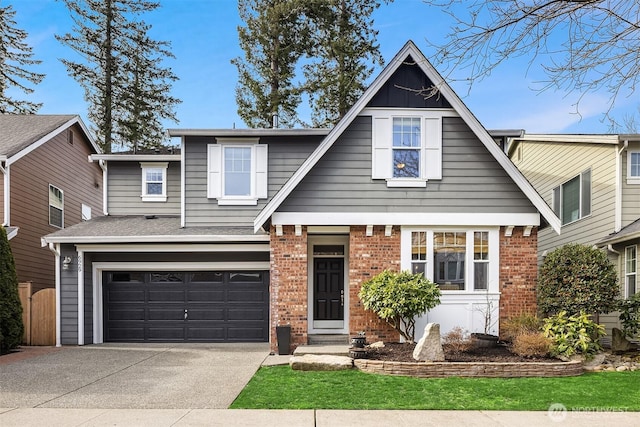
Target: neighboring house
592,182
47,184
247,230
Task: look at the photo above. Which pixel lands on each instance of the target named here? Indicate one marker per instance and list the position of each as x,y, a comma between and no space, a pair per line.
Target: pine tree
273,40
11,327
345,51
15,56
115,49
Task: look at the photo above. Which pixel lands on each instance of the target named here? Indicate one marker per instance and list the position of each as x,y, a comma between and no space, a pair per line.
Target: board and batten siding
630,192
64,165
125,190
547,165
286,154
69,298
472,180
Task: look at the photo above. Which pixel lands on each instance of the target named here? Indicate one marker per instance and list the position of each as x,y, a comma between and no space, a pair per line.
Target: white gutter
183,200
618,186
4,168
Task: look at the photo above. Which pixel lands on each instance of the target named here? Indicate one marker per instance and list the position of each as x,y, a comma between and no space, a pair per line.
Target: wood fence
38,315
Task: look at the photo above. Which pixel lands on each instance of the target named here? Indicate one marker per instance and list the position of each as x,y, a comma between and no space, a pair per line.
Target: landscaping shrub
531,344
456,341
630,315
521,324
577,277
11,328
397,298
576,334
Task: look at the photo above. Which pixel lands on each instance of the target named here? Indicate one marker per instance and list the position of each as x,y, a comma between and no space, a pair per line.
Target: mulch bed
403,352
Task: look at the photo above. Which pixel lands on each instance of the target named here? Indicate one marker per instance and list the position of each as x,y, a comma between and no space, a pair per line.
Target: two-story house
592,182
47,184
247,230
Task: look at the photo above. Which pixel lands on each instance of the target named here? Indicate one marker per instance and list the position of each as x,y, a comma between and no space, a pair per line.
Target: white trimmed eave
237,133
411,49
618,240
395,218
136,157
156,239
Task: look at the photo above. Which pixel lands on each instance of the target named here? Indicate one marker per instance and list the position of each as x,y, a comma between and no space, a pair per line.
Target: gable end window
407,147
631,270
154,181
56,207
633,167
572,200
237,171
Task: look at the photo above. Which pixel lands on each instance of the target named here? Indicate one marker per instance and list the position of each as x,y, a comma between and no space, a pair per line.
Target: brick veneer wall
518,273
368,256
288,287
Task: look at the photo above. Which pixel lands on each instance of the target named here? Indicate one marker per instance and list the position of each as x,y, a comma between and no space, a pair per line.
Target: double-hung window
572,200
463,260
237,171
56,207
154,182
406,147
633,167
631,270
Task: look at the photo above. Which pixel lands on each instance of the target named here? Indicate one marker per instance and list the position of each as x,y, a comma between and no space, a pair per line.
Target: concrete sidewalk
311,418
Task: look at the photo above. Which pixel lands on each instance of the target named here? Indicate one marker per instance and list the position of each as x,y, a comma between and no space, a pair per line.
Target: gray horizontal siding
285,157
473,181
125,189
630,192
69,299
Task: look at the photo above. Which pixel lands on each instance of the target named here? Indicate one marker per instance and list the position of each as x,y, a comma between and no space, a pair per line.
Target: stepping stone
315,362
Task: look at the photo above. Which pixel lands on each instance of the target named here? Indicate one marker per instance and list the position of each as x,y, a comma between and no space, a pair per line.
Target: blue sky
203,35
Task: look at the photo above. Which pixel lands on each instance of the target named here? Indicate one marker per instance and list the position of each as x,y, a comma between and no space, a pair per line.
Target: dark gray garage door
205,306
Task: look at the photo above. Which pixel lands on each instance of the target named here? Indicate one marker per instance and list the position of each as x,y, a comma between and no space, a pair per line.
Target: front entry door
328,291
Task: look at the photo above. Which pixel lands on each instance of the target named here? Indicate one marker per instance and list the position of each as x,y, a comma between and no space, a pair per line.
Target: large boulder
619,344
429,348
316,362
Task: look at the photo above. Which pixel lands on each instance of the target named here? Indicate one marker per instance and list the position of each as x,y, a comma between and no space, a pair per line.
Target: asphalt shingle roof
629,232
18,131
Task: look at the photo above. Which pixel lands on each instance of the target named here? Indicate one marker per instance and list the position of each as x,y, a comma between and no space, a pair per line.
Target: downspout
103,166
4,168
183,186
618,201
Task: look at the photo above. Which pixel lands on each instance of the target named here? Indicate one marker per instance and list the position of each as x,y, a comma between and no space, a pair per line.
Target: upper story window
154,181
633,168
407,147
463,260
631,270
56,207
572,200
237,171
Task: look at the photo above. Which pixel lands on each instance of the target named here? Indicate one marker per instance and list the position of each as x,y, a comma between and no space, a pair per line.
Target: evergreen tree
118,58
15,55
11,327
345,52
273,40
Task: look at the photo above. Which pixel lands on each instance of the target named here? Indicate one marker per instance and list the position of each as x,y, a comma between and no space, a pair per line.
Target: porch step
328,339
331,350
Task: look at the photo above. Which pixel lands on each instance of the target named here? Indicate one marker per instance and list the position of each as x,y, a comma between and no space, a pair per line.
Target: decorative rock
597,359
619,344
429,347
622,368
377,344
315,362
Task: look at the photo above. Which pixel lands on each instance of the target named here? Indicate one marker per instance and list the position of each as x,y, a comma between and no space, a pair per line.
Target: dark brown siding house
47,184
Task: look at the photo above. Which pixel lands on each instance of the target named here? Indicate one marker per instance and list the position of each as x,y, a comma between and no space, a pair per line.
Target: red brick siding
518,273
368,256
288,287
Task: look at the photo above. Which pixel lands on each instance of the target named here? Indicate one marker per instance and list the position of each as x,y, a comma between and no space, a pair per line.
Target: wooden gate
38,315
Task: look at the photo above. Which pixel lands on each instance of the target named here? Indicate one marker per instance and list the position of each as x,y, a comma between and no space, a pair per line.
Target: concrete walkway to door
132,376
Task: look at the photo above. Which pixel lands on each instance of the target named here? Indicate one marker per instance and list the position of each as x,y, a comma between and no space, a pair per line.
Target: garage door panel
221,306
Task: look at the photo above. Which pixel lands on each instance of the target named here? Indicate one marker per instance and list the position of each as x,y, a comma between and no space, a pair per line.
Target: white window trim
61,207
430,145
216,172
632,180
494,256
627,274
154,197
580,215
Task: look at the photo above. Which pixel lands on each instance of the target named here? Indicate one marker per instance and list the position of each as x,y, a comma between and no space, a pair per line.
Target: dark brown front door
328,289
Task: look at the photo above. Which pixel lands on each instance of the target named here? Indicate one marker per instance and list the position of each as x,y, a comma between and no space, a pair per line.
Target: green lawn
280,387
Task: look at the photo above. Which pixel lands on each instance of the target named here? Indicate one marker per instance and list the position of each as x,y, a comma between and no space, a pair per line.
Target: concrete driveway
144,376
